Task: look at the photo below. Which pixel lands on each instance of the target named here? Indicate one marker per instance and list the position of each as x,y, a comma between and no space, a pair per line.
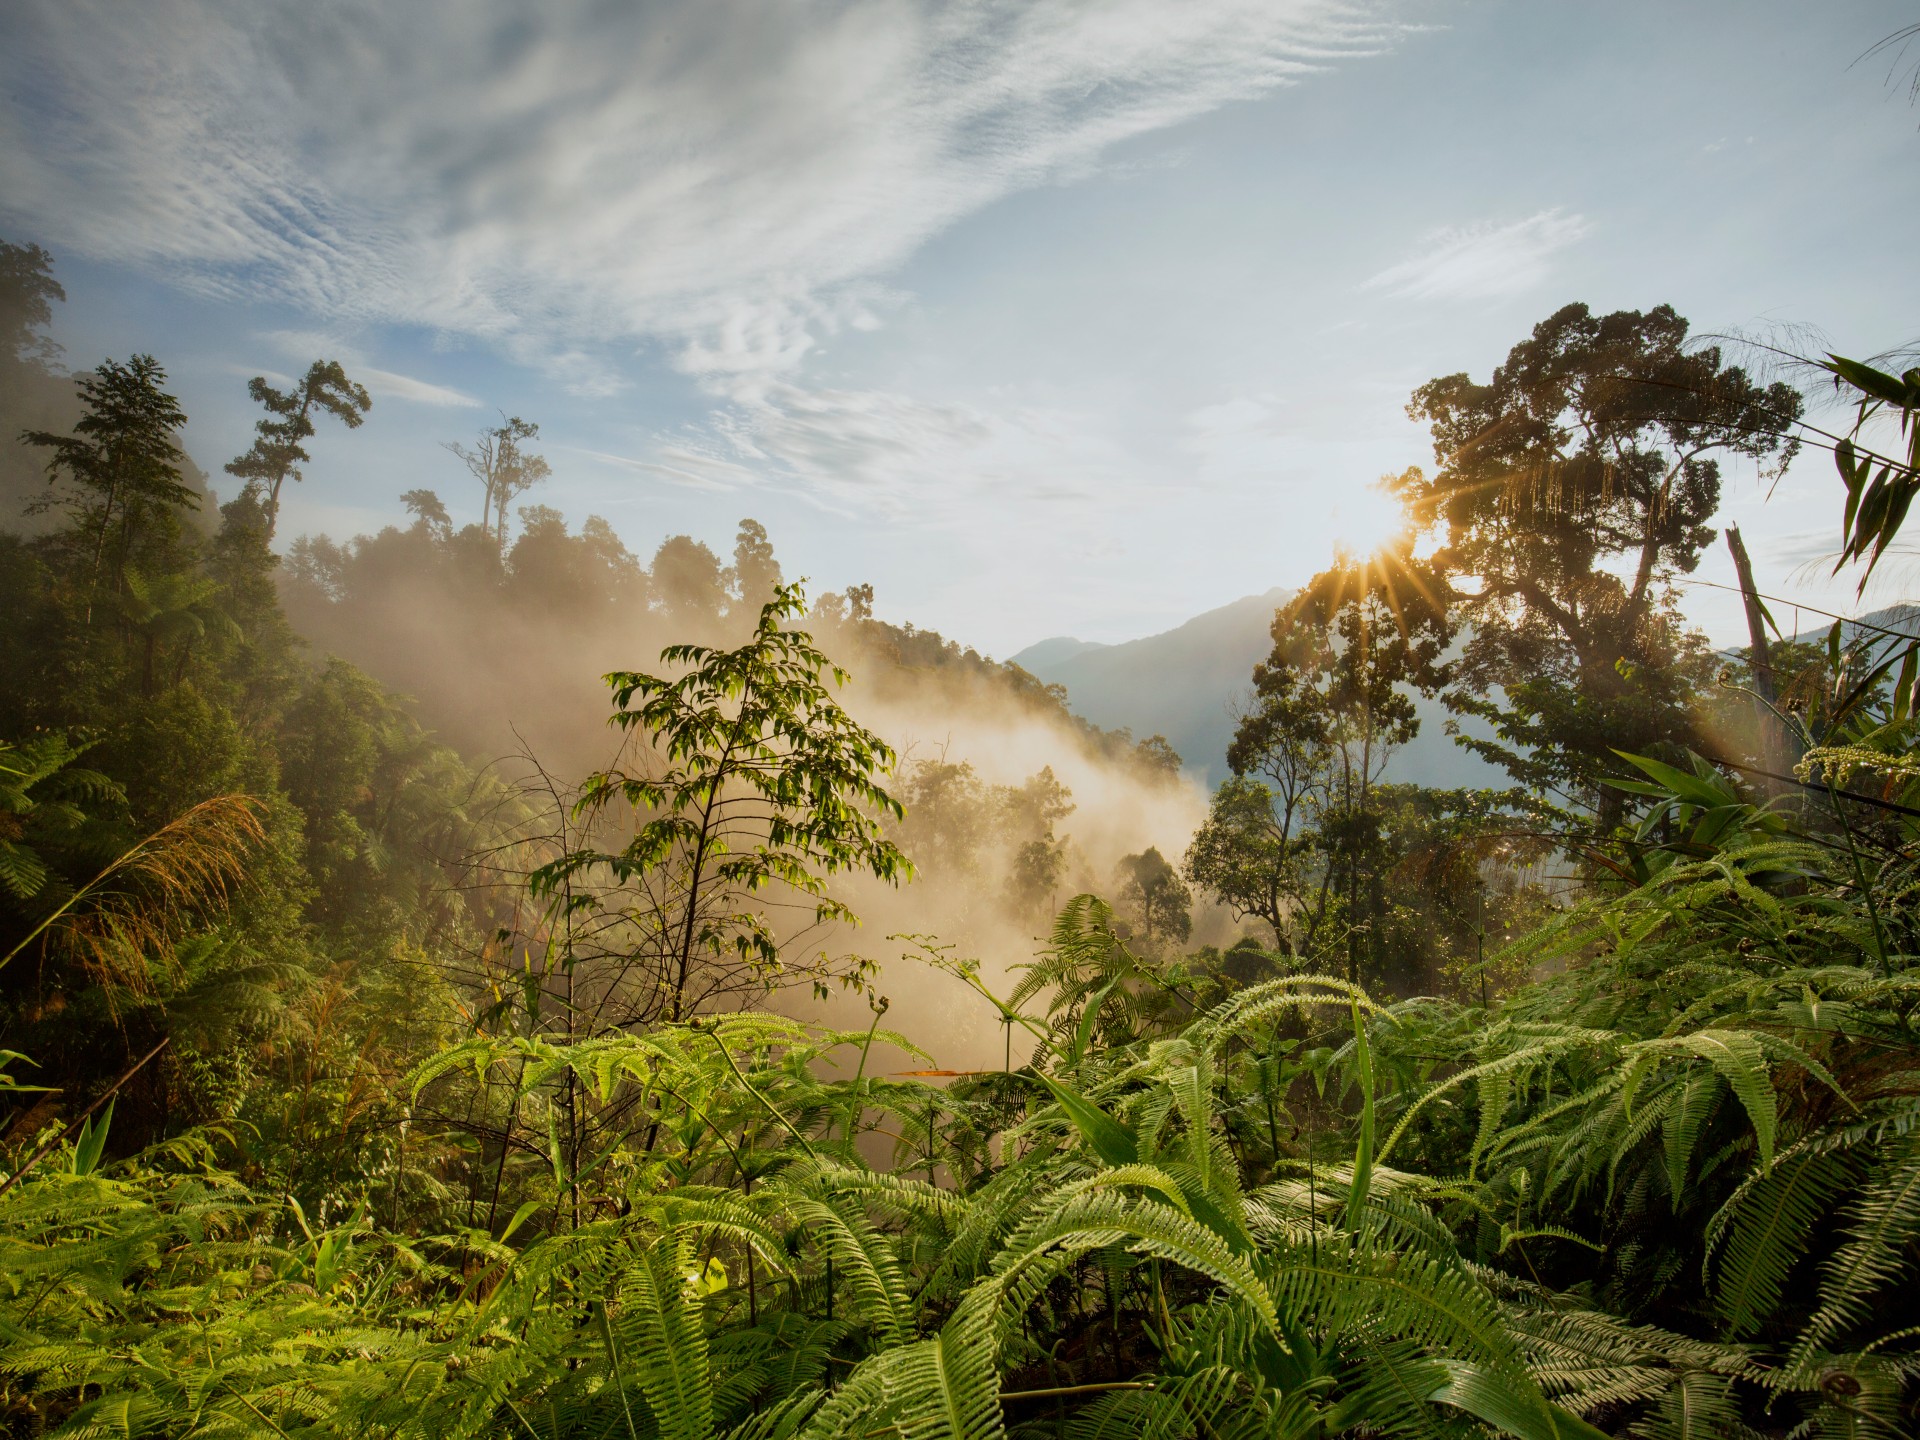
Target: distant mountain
1060,649
1183,684
1901,619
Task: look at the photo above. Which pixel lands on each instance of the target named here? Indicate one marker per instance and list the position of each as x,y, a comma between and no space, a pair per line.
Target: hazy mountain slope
1183,684
1902,619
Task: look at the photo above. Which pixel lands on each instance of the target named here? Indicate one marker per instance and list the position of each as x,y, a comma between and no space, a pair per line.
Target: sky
1055,317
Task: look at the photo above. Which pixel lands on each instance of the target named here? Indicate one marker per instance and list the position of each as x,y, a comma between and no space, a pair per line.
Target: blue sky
1044,318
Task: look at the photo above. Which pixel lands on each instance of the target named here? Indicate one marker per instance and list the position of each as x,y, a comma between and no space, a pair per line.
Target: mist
502,657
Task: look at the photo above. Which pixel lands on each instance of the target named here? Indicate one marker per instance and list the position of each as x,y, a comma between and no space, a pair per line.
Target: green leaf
1738,1058
1679,782
519,1219
92,1142
1110,1140
1511,1404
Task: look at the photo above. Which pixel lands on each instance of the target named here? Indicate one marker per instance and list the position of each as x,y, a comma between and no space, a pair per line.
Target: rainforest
551,977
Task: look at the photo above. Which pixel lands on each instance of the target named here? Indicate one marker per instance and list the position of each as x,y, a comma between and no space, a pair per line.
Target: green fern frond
1882,1226
1768,1224
946,1387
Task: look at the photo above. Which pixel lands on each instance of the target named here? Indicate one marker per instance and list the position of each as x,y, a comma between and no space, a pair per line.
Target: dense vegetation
355,1087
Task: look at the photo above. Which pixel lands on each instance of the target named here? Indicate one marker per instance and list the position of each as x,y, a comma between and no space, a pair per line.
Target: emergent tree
279,448
500,462
121,464
1573,489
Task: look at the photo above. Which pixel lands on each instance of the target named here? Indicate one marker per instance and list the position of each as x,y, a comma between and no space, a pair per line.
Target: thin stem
85,1115
765,1103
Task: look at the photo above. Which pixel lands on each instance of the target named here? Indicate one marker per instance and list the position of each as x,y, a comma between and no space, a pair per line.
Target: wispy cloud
1482,262
680,465
729,177
890,454
1803,548
386,384
307,345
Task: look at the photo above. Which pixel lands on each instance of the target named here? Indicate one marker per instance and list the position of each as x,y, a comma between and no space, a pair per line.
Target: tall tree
1157,899
755,573
689,583
121,464
279,447
27,290
1293,838
500,462
1573,489
1358,637
1030,812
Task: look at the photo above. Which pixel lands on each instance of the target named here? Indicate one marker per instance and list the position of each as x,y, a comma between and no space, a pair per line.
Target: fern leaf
946,1387
1741,1062
1510,1404
1768,1224
1884,1224
1696,1406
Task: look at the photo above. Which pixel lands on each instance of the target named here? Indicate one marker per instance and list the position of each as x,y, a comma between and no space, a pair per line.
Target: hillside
1185,682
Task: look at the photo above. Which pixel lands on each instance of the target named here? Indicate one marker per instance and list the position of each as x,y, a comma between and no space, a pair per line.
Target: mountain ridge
1184,683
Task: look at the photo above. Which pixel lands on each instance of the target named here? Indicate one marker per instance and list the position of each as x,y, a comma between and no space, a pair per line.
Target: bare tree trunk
1756,624
1774,744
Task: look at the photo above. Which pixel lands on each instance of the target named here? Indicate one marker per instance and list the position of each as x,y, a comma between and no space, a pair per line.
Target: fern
1768,1225
1883,1224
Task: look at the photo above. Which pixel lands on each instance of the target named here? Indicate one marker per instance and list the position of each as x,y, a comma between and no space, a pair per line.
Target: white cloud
681,465
382,384
885,453
726,176
1482,262
387,385
272,377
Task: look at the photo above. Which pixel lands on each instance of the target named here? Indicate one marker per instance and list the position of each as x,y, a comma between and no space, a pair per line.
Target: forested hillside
434,1001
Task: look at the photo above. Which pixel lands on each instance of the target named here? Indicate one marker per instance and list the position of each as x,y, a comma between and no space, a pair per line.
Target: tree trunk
100,547
1759,657
1771,738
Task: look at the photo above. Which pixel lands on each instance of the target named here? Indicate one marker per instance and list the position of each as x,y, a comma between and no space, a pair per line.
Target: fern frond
1768,1224
946,1387
1882,1227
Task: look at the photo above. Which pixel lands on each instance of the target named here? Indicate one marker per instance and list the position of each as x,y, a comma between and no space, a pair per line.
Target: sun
1366,520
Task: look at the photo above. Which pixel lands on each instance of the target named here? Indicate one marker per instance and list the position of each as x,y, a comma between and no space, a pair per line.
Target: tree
27,290
121,463
1573,489
754,780
1031,811
429,513
171,610
1255,853
756,573
504,469
1347,649
1154,895
279,447
1294,838
689,583
1157,757
572,576
949,818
